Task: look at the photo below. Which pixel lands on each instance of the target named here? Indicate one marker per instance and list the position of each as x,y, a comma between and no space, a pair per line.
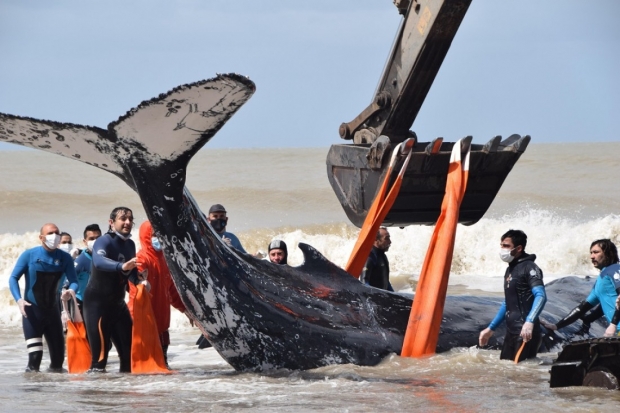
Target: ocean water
562,195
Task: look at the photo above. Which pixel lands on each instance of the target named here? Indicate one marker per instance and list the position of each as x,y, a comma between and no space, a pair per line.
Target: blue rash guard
82,269
83,264
43,270
605,291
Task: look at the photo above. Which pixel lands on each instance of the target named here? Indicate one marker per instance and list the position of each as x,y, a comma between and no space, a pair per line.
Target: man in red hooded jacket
163,292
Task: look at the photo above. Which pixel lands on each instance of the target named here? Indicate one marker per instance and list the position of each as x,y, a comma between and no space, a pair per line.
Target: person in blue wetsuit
604,256
84,261
218,220
43,267
106,315
525,298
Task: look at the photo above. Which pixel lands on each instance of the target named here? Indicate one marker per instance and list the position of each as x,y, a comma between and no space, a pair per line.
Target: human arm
102,262
21,267
540,298
232,241
488,332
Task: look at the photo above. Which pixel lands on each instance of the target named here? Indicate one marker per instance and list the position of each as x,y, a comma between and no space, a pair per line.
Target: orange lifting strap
147,355
377,212
427,310
78,350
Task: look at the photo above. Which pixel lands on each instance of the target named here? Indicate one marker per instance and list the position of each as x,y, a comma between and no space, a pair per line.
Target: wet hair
91,228
517,236
116,212
609,249
66,234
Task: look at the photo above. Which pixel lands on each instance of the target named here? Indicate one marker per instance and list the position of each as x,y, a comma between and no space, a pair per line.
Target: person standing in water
376,272
106,315
604,257
152,263
43,266
525,298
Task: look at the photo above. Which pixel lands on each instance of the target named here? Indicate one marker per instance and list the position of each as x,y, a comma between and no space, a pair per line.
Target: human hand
22,304
147,285
66,295
526,331
611,330
548,325
227,240
130,265
74,253
484,337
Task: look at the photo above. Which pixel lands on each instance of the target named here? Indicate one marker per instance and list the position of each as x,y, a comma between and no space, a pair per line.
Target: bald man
43,267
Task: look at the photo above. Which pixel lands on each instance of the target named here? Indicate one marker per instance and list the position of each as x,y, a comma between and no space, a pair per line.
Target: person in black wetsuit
376,272
525,298
43,267
106,315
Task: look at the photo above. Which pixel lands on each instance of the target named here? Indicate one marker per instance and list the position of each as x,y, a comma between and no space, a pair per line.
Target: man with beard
376,272
604,257
106,315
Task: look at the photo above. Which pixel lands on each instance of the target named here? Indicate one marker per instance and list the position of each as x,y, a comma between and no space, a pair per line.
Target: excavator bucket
356,170
355,173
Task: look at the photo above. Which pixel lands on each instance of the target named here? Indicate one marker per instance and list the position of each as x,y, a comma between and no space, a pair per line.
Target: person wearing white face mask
84,261
525,298
43,266
66,245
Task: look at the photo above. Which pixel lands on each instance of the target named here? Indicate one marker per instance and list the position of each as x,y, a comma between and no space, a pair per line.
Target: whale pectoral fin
177,124
87,144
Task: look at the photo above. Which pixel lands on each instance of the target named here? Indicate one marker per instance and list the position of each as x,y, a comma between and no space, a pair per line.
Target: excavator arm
356,170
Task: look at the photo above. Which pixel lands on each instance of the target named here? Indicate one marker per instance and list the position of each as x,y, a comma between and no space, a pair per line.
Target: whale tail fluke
169,128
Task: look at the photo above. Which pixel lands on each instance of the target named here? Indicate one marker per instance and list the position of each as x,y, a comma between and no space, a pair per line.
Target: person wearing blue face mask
218,220
525,298
43,266
163,291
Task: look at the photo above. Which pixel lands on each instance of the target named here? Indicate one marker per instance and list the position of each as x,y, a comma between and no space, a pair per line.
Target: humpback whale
257,315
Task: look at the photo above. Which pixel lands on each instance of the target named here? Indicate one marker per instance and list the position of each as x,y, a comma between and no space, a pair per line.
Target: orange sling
78,350
147,355
378,211
427,310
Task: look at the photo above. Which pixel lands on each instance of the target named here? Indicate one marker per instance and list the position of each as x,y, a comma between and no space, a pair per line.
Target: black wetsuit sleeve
577,313
534,276
368,270
100,259
616,318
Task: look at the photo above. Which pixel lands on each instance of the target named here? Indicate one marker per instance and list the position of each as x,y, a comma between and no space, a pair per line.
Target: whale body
257,315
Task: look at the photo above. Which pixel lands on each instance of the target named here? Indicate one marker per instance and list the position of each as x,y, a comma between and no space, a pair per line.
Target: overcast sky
547,68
